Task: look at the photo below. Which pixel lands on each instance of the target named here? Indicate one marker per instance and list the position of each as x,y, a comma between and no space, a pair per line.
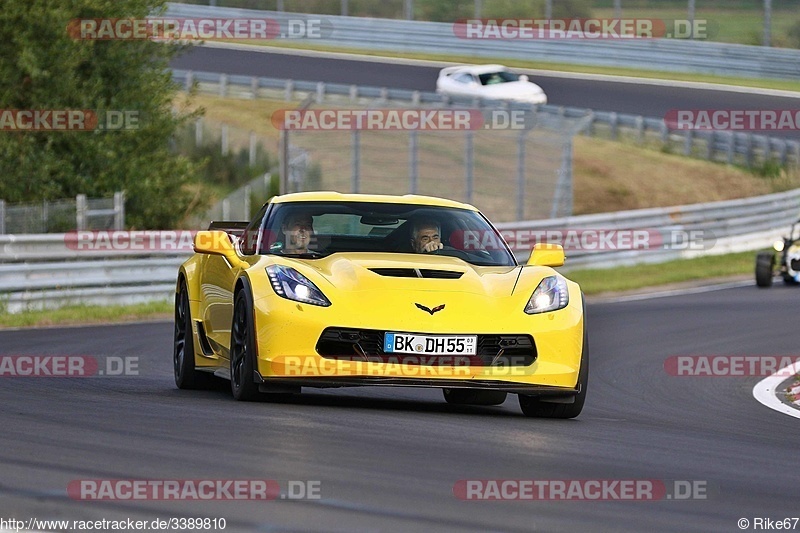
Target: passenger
298,230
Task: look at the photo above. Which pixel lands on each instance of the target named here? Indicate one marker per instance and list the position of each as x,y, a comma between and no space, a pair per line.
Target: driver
426,236
298,230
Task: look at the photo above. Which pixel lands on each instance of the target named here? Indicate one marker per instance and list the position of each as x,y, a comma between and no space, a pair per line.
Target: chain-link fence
237,160
512,174
58,216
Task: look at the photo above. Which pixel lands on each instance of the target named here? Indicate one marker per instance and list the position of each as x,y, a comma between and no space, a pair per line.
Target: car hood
401,272
512,89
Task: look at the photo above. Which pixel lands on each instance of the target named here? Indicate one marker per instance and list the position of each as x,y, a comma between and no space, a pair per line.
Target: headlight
550,295
778,245
292,285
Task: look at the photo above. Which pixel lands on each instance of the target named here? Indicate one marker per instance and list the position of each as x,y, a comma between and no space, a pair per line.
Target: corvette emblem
431,311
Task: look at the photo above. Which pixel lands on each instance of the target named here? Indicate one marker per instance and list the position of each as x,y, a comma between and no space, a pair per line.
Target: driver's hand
432,246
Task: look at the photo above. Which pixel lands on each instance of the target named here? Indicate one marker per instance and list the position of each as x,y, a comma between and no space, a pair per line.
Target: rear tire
186,375
474,397
764,266
242,353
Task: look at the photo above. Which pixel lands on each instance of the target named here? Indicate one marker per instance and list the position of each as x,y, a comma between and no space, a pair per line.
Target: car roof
481,69
330,196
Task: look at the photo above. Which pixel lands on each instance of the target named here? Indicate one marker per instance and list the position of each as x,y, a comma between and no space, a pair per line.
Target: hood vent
417,273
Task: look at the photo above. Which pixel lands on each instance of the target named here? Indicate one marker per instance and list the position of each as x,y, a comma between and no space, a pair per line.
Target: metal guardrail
721,146
33,273
671,55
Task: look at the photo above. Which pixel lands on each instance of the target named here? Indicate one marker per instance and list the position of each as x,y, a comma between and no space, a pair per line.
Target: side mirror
213,242
523,77
218,243
550,255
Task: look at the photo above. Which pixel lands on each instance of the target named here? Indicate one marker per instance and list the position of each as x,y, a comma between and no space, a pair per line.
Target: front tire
243,344
474,397
764,266
186,375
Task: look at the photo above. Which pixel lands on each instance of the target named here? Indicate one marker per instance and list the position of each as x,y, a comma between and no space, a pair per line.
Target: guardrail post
252,158
469,164
797,153
289,91
44,216
767,23
80,212
415,98
563,195
119,210
782,152
224,139
408,9
711,142
589,129
2,217
223,85
248,191
478,6
640,129
412,161
254,87
355,162
521,175
687,142
283,182
198,132
384,94
353,93
226,208
320,92
614,125
344,8
731,147
664,133
748,153
189,81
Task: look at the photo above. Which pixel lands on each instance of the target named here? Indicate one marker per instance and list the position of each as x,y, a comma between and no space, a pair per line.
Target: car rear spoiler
234,229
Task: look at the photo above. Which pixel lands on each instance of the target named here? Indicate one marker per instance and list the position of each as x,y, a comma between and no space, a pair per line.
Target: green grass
785,85
88,314
597,281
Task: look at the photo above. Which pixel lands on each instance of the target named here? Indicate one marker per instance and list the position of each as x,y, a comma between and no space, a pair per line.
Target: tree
42,67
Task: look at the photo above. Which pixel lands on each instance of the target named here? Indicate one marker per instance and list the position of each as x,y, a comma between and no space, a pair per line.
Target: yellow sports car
324,289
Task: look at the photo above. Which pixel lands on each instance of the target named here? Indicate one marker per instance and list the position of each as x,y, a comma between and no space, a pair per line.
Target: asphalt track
622,97
387,459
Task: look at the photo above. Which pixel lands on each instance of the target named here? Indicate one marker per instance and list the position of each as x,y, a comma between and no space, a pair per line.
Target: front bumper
288,333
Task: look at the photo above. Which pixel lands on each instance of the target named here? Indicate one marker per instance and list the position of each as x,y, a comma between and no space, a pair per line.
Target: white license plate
430,344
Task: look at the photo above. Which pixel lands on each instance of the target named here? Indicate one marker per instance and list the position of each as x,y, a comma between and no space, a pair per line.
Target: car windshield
312,230
502,76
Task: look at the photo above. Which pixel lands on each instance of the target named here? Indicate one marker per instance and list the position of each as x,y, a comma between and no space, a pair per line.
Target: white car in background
489,81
